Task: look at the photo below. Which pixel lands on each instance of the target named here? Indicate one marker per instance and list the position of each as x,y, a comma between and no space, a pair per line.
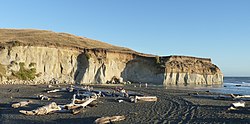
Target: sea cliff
37,57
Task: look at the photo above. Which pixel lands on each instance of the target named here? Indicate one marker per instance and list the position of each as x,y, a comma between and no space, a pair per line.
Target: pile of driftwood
239,99
236,97
83,97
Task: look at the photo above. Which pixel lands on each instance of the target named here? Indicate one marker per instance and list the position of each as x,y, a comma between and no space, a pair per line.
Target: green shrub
25,74
21,64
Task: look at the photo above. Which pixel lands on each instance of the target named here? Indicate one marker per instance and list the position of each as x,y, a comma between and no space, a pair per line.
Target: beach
174,105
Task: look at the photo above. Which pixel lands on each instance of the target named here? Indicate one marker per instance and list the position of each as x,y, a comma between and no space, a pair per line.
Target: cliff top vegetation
33,37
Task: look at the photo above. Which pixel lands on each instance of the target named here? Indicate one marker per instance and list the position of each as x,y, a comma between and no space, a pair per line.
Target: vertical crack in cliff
71,59
8,52
205,77
44,68
177,78
186,79
61,68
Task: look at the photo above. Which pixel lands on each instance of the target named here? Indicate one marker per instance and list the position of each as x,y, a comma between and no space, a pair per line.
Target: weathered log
78,101
127,99
106,120
239,96
237,105
83,104
27,112
42,97
71,106
231,108
87,102
78,110
21,104
93,104
53,107
146,98
53,91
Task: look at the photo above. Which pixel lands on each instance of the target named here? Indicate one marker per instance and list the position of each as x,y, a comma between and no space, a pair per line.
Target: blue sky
218,29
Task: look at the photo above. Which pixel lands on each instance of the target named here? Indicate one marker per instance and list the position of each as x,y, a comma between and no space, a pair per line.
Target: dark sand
173,106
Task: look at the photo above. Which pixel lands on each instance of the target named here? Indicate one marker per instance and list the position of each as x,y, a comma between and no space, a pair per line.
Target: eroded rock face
48,62
99,66
190,70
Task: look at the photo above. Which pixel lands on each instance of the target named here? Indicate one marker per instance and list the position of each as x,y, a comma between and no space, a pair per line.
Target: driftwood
106,120
69,89
42,97
21,104
237,105
92,104
127,99
78,110
53,91
78,101
215,97
239,96
87,94
53,107
70,106
145,98
87,102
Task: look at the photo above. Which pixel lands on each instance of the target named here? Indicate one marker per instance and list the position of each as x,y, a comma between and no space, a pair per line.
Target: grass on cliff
24,73
32,37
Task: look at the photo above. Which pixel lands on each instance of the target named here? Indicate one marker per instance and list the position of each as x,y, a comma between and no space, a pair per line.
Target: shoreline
173,106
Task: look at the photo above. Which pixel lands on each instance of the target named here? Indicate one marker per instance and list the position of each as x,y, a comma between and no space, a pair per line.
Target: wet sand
173,106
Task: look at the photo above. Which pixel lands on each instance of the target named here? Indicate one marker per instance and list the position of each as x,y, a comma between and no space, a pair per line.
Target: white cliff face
49,62
143,70
65,65
181,70
99,66
192,79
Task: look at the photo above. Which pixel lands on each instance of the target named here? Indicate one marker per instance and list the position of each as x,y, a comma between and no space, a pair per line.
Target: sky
216,29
